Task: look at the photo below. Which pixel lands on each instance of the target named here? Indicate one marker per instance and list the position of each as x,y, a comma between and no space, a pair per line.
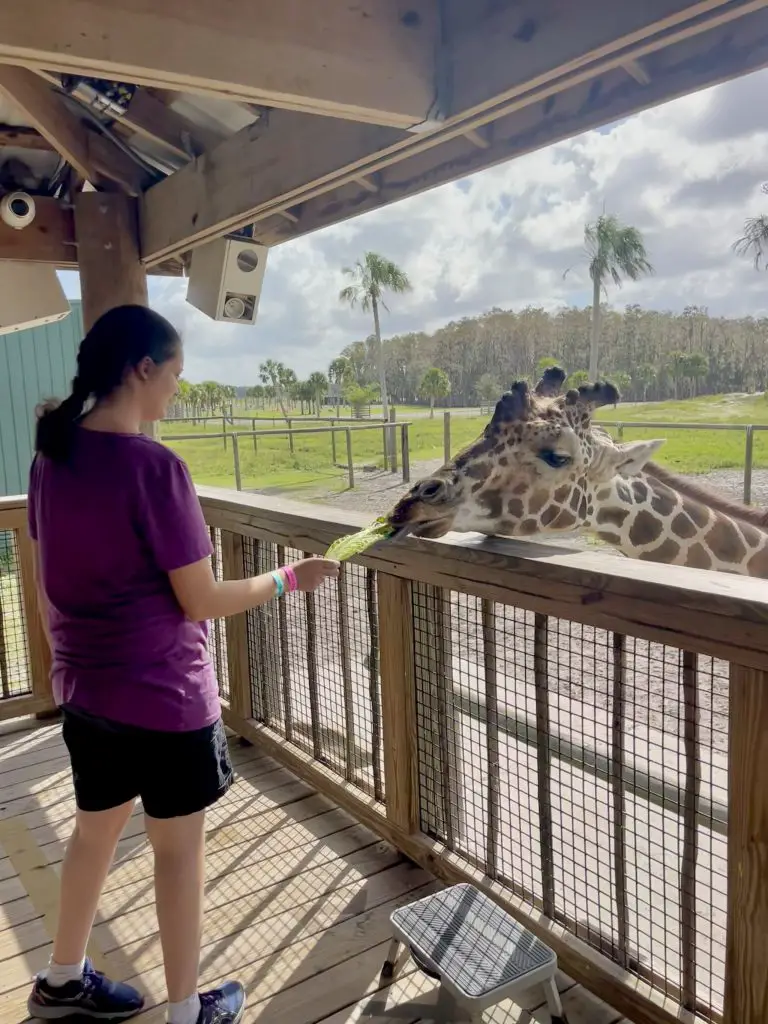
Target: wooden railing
584,737
24,654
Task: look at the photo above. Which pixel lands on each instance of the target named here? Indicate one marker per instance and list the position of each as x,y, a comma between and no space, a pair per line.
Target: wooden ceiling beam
93,156
372,61
527,44
23,138
50,238
292,161
698,63
218,191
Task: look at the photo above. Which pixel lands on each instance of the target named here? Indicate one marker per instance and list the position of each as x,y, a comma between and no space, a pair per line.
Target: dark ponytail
119,340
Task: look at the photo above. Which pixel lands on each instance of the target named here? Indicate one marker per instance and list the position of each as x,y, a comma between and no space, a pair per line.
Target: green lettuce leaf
356,543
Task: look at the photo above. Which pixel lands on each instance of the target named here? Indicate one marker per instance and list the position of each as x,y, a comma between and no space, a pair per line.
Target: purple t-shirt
110,525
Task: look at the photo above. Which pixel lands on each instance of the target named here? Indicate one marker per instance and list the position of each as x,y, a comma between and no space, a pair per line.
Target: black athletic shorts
174,773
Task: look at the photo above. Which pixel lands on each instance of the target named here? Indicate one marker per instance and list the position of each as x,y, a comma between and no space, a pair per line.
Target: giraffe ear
630,459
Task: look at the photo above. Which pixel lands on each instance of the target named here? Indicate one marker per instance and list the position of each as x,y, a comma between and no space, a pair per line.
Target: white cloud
687,174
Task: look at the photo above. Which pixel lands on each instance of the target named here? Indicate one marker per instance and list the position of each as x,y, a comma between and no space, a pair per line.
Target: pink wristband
290,575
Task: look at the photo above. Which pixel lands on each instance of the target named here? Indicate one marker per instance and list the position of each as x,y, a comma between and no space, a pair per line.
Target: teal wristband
278,583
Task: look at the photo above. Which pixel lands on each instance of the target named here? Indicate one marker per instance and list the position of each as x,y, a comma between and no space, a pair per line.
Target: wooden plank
285,658
37,640
718,614
342,608
543,760
617,794
374,693
50,238
94,157
566,106
746,979
238,660
372,62
16,707
689,857
398,702
22,137
529,43
240,178
488,619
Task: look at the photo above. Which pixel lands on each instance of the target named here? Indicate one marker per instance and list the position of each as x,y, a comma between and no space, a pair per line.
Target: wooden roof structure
277,119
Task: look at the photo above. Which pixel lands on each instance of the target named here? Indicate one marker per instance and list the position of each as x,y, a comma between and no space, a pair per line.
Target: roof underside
282,119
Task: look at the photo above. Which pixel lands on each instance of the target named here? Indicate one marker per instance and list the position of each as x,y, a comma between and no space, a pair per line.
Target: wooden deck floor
298,899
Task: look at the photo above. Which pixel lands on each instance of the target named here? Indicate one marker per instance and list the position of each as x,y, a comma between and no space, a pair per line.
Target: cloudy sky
687,174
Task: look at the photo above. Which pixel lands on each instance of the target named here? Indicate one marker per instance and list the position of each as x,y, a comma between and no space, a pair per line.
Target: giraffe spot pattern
515,508
698,557
666,552
725,543
645,529
640,491
612,516
698,513
758,564
609,537
664,502
529,526
683,526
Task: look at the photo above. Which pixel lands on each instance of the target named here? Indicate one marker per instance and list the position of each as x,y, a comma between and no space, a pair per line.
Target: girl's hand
312,572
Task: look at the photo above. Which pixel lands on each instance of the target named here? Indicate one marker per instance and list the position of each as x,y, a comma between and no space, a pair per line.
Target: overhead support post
111,274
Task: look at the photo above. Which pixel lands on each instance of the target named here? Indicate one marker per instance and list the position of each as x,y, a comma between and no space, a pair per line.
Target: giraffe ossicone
542,466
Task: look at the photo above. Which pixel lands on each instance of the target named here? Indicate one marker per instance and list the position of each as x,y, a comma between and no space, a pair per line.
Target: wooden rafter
92,156
371,61
23,138
231,187
50,238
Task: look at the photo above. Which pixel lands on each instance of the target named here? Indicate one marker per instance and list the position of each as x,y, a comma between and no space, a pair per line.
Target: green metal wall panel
34,365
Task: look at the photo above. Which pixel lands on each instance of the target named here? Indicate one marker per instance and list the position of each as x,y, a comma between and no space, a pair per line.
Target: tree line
648,354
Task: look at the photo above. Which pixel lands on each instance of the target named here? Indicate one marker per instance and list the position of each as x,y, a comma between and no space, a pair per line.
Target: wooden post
447,436
350,464
236,461
392,440
333,444
746,977
224,430
111,274
238,664
748,449
398,702
290,435
39,651
405,452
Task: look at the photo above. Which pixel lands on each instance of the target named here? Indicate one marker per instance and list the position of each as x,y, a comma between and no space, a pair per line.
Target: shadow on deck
298,899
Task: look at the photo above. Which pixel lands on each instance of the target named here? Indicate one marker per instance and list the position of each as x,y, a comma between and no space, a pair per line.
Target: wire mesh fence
217,637
15,676
586,772
314,666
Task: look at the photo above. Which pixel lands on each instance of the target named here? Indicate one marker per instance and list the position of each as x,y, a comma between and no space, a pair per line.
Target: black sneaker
92,996
224,1005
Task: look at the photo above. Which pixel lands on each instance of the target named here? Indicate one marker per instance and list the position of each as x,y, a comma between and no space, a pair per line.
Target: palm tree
280,378
318,385
614,251
434,384
370,278
754,241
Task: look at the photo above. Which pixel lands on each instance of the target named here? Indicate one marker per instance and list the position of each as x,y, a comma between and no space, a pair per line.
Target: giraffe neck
647,517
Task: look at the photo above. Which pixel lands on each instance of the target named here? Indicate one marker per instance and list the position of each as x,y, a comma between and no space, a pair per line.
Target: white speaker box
225,279
30,296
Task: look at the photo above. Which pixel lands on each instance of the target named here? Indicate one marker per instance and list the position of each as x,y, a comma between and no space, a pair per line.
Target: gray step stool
478,953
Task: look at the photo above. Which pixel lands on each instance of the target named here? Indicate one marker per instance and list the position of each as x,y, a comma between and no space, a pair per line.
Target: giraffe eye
554,459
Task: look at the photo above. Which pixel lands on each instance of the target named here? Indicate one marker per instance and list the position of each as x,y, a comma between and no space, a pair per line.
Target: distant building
34,365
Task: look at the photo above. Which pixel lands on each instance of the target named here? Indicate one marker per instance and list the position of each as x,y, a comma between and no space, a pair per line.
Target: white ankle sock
185,1012
59,974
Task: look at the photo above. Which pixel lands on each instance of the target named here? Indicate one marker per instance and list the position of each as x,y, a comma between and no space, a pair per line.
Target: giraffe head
536,468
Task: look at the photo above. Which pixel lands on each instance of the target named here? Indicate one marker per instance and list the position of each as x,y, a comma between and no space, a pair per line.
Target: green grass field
309,468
